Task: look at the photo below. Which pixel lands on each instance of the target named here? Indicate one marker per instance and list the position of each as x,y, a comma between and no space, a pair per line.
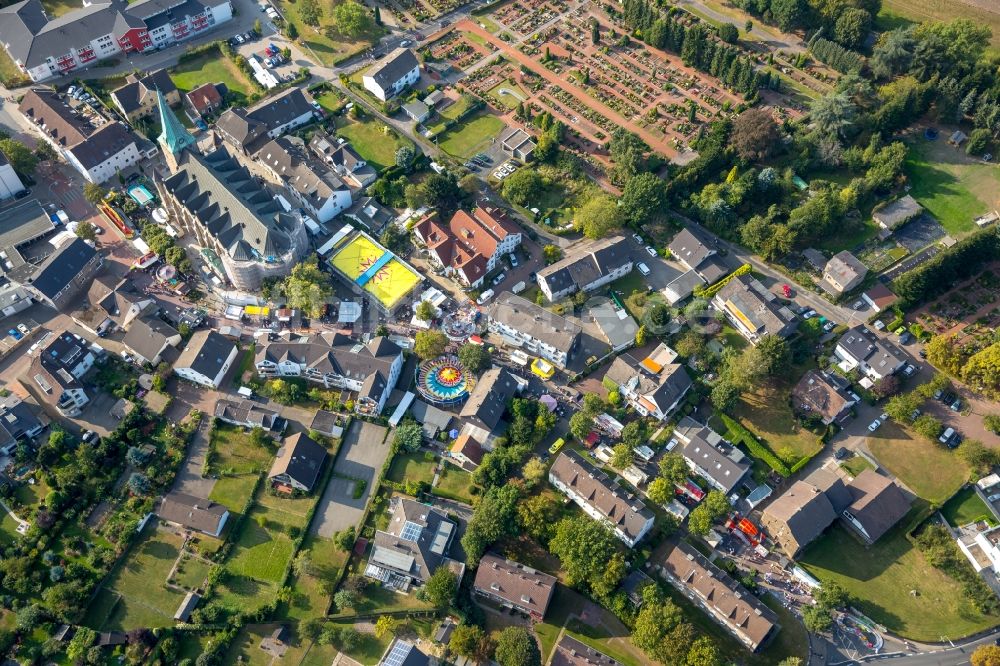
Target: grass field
136,594
56,8
953,187
931,471
261,553
309,597
411,467
939,10
234,453
368,139
767,413
454,483
895,586
966,507
233,491
9,72
211,67
192,573
328,50
240,594
8,529
332,101
471,135
856,465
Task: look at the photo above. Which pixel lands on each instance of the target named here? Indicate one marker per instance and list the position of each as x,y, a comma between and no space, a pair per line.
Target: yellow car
556,445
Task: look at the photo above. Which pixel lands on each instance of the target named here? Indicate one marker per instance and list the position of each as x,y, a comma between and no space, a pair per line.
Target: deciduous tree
755,135
598,217
516,647
429,344
352,18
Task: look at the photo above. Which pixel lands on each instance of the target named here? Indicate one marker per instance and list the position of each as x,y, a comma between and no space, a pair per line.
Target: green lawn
8,529
950,185
411,467
454,483
766,411
369,650
9,72
966,507
332,101
309,596
136,594
328,51
233,491
234,454
506,98
377,599
895,586
192,573
241,594
930,470
261,553
471,135
377,147
856,465
212,67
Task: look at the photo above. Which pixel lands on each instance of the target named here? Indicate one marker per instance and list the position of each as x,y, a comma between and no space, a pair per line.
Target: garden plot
971,311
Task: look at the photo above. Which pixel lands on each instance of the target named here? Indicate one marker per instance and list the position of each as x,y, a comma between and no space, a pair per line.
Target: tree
977,456
429,344
886,386
352,18
310,12
292,32
771,355
628,152
588,553
404,156
660,630
86,230
986,655
833,596
787,13
817,619
468,640
94,193
643,199
729,33
660,491
534,471
725,394
138,483
311,627
516,647
755,135
20,158
394,238
852,27
441,587
538,515
386,625
580,424
982,370
80,643
979,141
598,217
408,437
833,114
441,191
29,617
900,407
258,27
307,288
425,311
714,507
992,423
474,357
523,187
552,253
673,469
703,653
928,427
493,519
622,456
640,336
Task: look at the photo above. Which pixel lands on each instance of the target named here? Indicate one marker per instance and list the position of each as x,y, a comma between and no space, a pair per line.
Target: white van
643,268
485,297
519,287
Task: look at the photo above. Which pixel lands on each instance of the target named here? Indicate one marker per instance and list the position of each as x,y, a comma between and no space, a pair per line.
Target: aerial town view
499,332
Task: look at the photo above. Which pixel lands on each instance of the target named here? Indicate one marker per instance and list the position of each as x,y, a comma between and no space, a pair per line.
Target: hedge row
756,448
710,292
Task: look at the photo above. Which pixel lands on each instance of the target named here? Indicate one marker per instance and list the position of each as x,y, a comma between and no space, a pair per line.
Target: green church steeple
174,138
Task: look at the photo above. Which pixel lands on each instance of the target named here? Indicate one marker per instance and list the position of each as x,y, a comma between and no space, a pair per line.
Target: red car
786,290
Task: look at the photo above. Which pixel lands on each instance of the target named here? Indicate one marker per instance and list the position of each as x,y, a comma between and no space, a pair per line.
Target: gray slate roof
488,400
586,264
523,315
394,67
301,458
60,267
206,352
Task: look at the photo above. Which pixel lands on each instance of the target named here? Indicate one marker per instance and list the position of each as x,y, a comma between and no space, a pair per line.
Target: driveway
362,454
189,479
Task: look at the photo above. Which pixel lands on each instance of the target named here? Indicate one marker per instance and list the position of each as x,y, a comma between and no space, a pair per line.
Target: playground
376,270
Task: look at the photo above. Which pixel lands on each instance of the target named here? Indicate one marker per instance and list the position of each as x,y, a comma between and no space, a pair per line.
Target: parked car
24,329
874,425
947,436
406,42
841,453
809,314
956,405
884,417
650,251
638,238
857,398
89,436
498,279
859,305
127,357
910,370
786,291
14,333
643,268
513,261
829,326
915,414
938,394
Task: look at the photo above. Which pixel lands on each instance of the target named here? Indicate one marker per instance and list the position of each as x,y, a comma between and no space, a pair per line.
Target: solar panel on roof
400,651
411,531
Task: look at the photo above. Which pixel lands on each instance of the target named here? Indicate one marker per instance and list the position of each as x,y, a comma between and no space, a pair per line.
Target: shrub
756,448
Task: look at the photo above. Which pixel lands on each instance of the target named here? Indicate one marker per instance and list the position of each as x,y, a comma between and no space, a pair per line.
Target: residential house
10,183
336,152
590,266
311,183
149,337
471,244
614,323
697,251
205,100
879,297
111,303
824,395
206,358
249,414
412,547
96,147
682,286
394,74
371,215
227,210
873,357
753,310
404,653
55,371
521,323
18,422
891,216
571,652
710,456
514,585
723,599
298,464
799,515
517,143
193,513
653,386
843,273
247,129
337,361
59,277
486,405
877,505
417,111
601,498
43,47
466,451
137,98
